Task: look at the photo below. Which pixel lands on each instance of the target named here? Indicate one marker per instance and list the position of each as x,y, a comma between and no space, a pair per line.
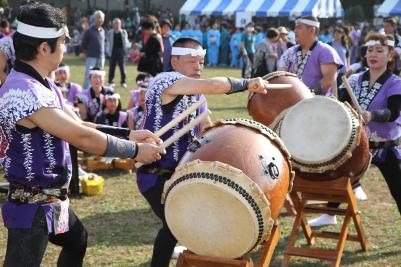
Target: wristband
380,115
120,148
115,131
237,85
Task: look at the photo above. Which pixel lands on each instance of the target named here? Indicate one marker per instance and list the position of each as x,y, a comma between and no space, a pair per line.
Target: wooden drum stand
339,191
188,259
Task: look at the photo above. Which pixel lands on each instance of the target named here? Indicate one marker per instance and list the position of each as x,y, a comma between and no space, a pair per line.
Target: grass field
122,227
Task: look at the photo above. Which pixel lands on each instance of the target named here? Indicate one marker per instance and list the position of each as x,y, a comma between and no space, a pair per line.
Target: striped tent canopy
389,8
265,8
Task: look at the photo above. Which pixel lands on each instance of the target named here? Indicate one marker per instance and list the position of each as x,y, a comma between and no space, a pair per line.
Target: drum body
228,189
264,108
325,138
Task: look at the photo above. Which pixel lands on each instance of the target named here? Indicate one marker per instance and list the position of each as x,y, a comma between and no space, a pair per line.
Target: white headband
113,96
309,22
97,72
63,68
41,32
377,42
182,51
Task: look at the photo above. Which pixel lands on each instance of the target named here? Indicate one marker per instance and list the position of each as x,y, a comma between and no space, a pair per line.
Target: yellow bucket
92,185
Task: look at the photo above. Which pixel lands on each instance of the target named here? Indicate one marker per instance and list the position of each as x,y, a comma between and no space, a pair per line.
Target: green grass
122,227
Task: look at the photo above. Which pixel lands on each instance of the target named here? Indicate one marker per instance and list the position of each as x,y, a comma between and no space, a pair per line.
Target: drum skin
354,167
250,151
264,108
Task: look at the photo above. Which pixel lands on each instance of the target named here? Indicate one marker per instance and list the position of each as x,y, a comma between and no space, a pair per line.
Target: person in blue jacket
224,45
235,47
213,44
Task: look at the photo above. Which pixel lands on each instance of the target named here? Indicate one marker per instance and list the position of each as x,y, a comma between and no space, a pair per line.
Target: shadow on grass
124,228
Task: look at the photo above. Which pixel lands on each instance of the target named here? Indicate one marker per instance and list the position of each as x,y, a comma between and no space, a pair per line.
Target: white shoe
360,194
81,172
322,220
177,251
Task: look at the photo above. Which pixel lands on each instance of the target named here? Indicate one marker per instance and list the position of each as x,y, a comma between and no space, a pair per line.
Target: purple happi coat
379,131
73,89
158,115
93,104
311,74
31,157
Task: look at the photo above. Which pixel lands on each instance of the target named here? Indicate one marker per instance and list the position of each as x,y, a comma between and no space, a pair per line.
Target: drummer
378,92
314,62
169,94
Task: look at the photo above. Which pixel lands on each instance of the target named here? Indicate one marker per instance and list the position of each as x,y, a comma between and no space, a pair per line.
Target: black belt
385,144
150,168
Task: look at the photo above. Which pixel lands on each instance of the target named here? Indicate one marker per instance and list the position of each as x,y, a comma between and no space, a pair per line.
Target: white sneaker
360,194
177,251
81,172
322,220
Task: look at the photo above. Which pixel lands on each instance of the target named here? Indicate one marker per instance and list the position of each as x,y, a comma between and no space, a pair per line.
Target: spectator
91,101
224,45
342,50
267,54
70,89
5,29
112,114
118,44
235,46
142,81
136,114
7,57
93,45
197,33
213,45
151,53
283,41
390,27
168,41
248,42
177,32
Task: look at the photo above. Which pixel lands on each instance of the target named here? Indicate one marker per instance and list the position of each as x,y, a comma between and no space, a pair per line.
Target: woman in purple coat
378,92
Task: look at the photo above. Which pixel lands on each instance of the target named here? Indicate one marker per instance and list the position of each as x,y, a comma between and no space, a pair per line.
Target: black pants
165,242
391,171
26,246
118,57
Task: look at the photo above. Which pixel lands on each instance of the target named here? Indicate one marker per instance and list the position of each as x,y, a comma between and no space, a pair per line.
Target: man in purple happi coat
314,62
35,129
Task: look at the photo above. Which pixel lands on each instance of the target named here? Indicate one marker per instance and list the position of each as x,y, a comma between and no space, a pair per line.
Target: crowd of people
35,154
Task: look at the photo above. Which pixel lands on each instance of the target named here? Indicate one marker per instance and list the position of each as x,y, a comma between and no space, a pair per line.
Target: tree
355,14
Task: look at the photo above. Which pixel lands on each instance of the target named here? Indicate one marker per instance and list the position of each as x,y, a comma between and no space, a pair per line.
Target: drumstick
335,89
351,94
182,116
277,86
181,132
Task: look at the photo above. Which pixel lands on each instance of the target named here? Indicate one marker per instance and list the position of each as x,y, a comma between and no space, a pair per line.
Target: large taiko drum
325,138
228,189
264,108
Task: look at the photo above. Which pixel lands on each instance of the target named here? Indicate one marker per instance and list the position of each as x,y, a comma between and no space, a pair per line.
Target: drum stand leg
339,191
188,259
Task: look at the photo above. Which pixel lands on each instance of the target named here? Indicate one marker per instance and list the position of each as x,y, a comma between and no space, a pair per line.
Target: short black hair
41,15
4,23
141,77
390,20
148,25
62,64
272,33
181,42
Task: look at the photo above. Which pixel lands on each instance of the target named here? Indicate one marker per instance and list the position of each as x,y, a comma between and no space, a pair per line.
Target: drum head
215,210
316,130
